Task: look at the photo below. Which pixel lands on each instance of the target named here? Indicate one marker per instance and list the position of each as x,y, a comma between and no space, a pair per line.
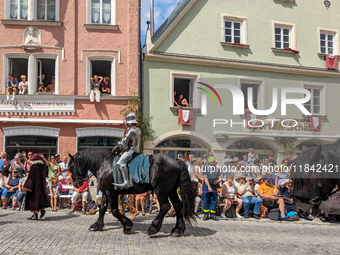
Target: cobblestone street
64,233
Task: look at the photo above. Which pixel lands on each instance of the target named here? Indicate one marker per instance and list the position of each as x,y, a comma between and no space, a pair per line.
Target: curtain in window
14,9
23,9
51,10
41,10
95,11
106,11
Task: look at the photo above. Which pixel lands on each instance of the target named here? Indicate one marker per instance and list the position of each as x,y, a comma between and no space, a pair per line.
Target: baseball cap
251,149
267,178
227,160
57,155
180,155
270,155
60,177
211,159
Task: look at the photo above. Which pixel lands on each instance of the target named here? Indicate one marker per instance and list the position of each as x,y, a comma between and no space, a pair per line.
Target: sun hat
211,159
14,170
227,160
36,157
239,175
259,178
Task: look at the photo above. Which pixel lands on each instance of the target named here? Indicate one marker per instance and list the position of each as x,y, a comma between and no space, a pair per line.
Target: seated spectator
271,176
95,92
5,168
12,189
16,164
140,200
286,190
23,85
64,169
228,197
41,87
51,87
251,156
54,192
259,181
181,101
244,162
269,193
22,194
4,156
245,192
256,167
175,100
281,176
11,87
197,196
2,182
106,85
83,192
271,161
28,161
70,183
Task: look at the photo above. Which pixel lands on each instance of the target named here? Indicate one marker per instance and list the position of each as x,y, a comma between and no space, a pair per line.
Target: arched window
241,147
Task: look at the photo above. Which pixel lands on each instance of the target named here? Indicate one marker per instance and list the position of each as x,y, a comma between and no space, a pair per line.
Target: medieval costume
129,144
36,197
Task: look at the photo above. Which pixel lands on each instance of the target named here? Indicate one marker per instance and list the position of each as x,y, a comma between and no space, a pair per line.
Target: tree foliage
288,144
134,104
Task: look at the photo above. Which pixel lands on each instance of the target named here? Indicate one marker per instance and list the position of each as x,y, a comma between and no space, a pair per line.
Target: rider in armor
129,144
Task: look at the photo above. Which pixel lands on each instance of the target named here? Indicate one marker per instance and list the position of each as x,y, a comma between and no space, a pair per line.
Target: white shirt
65,173
230,191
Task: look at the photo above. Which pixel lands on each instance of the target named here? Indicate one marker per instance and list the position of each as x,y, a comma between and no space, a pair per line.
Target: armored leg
124,171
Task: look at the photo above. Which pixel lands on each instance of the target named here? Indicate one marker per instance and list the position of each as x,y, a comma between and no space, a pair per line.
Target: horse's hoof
175,233
95,227
152,231
127,229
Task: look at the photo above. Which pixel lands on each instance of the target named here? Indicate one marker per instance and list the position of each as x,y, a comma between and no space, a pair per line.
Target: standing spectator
12,189
64,169
269,193
256,167
41,87
265,166
140,199
5,168
245,192
106,85
251,156
95,92
51,87
244,162
62,182
205,159
53,167
36,196
22,192
4,156
11,87
28,161
16,164
54,192
23,85
189,161
209,195
81,191
271,160
229,197
57,158
281,176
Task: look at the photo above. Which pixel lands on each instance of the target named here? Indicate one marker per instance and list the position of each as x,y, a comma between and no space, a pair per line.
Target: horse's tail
187,194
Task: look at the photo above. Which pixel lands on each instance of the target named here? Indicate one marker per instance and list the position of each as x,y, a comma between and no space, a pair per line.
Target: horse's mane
89,159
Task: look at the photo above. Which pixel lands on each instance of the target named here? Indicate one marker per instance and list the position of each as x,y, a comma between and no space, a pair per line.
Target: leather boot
133,211
122,212
34,217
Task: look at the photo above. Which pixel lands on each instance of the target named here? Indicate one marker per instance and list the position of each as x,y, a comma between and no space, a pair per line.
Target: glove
116,149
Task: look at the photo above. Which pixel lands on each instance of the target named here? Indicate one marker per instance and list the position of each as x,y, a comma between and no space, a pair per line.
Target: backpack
274,214
91,205
231,213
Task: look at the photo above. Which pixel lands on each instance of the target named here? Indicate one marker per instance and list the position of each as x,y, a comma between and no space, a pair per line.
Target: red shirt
84,186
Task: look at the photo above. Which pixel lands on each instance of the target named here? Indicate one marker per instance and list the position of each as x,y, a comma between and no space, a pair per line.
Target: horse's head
77,176
314,174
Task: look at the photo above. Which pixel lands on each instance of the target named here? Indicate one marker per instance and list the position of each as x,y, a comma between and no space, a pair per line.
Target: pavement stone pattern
65,233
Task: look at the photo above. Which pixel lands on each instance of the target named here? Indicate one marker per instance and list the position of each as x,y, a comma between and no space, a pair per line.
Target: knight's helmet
131,118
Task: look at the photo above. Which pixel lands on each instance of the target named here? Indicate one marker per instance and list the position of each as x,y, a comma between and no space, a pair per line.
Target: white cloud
163,7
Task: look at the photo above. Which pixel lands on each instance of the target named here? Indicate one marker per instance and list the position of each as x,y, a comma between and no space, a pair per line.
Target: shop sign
32,105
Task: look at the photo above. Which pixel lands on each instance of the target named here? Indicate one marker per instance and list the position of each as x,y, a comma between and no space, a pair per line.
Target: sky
164,9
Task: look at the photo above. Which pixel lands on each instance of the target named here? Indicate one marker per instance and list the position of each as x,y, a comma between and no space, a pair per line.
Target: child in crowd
259,181
63,191
54,189
23,85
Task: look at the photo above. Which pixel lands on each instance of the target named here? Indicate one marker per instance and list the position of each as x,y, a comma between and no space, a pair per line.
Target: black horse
315,173
165,174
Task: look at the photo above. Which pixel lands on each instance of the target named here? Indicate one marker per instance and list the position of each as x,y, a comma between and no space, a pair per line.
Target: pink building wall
74,37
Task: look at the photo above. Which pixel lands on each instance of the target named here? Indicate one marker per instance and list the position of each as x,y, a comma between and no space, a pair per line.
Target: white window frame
335,34
261,92
89,74
232,18
322,88
8,9
113,13
195,77
292,33
32,10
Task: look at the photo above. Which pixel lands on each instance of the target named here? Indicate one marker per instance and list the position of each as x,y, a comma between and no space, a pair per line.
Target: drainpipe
140,62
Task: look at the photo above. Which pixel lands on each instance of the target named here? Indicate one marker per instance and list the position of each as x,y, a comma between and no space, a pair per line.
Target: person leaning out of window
106,85
95,92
